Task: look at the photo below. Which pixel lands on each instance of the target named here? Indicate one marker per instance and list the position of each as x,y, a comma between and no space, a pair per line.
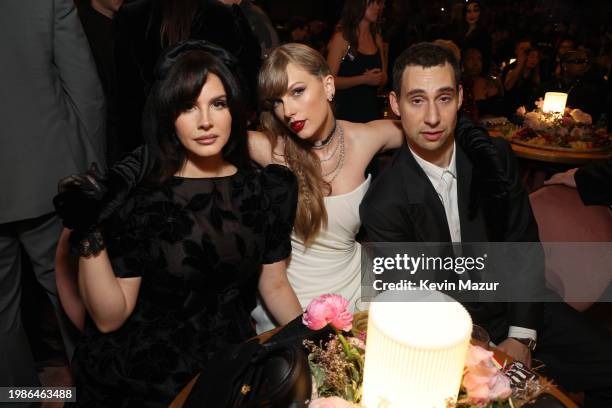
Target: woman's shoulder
338,40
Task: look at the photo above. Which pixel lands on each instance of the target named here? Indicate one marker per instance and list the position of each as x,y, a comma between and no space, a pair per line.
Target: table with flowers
575,158
554,133
487,378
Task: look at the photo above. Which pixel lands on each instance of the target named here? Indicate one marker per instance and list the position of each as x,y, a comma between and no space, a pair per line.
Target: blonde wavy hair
272,85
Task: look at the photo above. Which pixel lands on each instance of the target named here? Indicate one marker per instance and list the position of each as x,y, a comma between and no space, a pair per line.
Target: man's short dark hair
425,55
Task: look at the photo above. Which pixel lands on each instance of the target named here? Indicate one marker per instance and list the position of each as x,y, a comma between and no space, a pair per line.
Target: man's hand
516,350
566,178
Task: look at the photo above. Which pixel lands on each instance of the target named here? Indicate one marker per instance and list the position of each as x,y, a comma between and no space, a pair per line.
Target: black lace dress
198,245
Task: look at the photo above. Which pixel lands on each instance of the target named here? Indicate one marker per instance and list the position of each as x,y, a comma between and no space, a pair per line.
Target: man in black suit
438,189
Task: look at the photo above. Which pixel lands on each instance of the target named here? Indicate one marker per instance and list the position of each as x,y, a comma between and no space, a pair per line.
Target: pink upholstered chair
66,278
579,273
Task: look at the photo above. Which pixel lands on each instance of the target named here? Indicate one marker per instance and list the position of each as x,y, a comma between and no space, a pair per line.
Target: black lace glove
86,200
79,201
489,171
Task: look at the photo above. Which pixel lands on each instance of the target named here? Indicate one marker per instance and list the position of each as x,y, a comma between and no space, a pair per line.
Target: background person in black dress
357,61
472,33
189,248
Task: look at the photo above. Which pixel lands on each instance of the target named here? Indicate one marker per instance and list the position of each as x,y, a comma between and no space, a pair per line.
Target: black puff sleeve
281,189
129,240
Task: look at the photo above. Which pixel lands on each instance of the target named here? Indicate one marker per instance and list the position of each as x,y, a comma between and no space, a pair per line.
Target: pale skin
203,130
307,99
367,45
427,105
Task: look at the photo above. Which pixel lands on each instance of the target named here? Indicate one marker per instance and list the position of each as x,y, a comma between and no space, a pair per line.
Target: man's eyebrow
445,89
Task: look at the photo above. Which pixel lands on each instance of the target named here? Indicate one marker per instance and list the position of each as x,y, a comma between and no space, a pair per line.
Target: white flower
539,104
534,121
581,117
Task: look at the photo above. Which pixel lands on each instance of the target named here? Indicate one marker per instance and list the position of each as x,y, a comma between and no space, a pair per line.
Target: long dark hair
182,72
352,13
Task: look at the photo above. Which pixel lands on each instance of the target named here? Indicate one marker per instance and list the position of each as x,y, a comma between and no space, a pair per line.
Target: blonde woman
329,157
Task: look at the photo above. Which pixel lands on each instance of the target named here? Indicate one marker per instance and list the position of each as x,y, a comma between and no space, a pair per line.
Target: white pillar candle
554,102
415,350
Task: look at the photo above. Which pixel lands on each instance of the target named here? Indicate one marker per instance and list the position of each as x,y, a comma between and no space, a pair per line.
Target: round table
555,156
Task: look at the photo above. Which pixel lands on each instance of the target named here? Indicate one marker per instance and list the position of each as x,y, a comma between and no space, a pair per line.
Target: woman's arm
383,58
277,293
108,299
260,148
514,74
379,135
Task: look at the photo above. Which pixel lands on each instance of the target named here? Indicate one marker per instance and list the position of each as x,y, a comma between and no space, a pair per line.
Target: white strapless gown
332,263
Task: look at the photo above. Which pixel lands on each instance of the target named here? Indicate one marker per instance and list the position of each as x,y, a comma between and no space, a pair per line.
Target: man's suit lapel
423,206
473,228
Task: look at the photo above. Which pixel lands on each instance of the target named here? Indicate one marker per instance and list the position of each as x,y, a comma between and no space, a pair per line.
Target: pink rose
482,380
328,309
330,402
567,121
499,387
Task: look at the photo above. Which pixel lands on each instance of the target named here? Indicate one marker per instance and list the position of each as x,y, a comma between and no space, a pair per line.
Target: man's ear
394,103
329,86
459,98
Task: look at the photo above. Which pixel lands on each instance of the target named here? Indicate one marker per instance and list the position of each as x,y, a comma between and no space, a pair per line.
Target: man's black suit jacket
403,206
594,183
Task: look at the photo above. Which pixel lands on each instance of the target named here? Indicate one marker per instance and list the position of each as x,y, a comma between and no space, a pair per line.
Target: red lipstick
297,125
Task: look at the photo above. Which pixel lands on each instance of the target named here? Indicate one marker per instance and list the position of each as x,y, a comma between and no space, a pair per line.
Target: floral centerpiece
570,129
337,366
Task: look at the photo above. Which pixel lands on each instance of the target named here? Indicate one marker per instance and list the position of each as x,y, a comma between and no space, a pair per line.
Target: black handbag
271,374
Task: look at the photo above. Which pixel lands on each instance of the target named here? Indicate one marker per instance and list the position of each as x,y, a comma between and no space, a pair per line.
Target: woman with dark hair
472,34
145,28
171,276
357,61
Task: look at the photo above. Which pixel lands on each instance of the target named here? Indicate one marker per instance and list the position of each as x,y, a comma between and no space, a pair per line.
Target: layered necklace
339,148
